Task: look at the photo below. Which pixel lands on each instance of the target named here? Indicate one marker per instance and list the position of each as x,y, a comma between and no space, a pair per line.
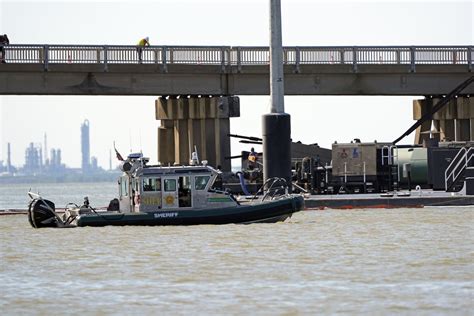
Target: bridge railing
193,55
239,56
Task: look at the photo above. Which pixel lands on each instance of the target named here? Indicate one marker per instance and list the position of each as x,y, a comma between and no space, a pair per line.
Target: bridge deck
116,70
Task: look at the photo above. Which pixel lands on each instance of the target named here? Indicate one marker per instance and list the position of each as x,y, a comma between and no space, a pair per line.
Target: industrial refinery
45,164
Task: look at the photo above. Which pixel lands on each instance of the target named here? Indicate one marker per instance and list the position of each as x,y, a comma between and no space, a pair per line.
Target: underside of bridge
200,123
454,122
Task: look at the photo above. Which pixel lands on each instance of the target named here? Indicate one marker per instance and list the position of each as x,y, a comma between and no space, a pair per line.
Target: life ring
169,199
418,189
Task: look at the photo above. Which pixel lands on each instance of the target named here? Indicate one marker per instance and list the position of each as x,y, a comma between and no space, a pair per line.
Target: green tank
418,160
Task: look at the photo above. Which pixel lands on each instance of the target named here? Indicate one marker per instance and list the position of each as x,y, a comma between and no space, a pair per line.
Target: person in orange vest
140,46
252,159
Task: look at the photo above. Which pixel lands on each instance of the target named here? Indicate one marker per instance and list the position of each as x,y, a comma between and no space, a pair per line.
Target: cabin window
124,186
170,185
151,184
134,184
200,182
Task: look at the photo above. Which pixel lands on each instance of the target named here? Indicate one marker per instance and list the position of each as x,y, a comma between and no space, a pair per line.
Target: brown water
399,261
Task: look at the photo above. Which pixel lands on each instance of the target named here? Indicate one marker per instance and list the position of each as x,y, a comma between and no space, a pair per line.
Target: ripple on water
377,261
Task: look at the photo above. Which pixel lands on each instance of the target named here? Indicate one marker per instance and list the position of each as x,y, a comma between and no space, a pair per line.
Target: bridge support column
444,120
420,108
454,122
195,121
166,141
464,119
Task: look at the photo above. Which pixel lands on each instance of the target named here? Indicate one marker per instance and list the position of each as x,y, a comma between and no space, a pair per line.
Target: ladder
391,165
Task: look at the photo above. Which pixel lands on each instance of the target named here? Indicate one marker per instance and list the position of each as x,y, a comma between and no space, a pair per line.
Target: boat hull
268,212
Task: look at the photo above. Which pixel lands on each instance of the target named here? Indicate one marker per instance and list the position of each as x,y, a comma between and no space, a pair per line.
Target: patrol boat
169,195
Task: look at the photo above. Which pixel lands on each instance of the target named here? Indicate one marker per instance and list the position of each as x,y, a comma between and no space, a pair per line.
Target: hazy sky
130,121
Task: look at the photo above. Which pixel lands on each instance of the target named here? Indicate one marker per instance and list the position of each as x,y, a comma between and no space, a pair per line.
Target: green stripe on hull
219,199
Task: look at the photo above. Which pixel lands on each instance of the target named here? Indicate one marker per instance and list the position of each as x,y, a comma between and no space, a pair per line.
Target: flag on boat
119,156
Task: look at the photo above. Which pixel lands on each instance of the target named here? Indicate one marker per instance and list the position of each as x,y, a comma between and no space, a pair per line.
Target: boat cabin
145,188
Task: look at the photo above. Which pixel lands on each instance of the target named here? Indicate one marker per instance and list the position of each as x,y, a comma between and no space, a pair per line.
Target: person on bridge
3,41
141,44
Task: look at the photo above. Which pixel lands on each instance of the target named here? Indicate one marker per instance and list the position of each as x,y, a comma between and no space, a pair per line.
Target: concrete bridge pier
454,122
195,121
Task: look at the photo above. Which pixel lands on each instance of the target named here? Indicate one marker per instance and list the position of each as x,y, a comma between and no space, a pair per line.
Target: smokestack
9,161
85,146
45,149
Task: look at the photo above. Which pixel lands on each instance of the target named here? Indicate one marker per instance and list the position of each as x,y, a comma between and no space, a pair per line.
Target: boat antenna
196,151
194,157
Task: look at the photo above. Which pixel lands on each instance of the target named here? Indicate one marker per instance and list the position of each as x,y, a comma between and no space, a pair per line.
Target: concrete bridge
225,70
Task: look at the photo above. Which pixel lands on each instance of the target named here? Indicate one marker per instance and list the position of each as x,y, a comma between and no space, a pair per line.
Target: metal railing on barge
241,55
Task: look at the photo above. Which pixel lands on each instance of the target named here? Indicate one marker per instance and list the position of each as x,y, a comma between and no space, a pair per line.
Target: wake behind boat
170,195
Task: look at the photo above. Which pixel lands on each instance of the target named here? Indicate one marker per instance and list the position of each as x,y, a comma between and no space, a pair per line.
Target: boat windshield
200,182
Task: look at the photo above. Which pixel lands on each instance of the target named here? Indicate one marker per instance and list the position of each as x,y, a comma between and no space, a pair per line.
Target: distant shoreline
64,178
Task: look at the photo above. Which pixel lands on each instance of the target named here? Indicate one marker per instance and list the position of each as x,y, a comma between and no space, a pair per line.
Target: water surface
14,196
397,261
